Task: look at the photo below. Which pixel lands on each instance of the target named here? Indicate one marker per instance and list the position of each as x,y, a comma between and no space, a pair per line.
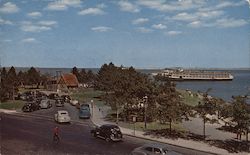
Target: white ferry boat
181,74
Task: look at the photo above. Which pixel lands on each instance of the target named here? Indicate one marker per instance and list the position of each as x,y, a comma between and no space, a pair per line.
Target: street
33,135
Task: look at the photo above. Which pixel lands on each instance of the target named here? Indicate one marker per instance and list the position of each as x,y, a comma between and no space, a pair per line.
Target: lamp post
145,111
92,107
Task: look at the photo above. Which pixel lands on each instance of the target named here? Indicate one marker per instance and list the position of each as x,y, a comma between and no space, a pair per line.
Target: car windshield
64,113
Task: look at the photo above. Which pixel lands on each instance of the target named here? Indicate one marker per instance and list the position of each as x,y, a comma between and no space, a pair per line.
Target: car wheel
93,134
107,139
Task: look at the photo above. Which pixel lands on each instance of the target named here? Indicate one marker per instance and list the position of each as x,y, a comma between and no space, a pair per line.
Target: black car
31,106
66,98
109,132
53,96
59,102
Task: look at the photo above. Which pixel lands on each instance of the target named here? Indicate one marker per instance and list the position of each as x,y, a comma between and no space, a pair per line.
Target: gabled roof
69,79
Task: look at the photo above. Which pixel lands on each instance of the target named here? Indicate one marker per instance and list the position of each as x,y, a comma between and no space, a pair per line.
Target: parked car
109,132
84,112
66,98
154,149
59,102
62,116
53,96
45,104
30,106
73,102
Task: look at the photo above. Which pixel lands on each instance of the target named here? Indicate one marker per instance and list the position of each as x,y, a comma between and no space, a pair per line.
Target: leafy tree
170,107
241,114
11,82
76,73
205,108
33,77
3,90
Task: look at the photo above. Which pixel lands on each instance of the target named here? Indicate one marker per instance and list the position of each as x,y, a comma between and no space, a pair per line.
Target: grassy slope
12,105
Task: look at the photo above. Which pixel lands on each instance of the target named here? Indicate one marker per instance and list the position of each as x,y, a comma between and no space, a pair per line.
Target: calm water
240,85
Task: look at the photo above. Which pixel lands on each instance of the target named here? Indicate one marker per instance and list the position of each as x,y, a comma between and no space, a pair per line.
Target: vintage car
109,132
62,116
84,112
31,106
45,104
59,102
74,102
154,149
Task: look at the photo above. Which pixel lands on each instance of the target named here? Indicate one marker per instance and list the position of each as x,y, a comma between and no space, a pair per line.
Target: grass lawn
12,105
191,100
151,126
88,94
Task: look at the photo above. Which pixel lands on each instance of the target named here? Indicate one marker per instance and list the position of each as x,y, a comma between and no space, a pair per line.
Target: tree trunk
247,134
204,128
117,115
170,126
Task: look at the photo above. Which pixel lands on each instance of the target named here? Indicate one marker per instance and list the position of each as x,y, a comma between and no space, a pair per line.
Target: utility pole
145,111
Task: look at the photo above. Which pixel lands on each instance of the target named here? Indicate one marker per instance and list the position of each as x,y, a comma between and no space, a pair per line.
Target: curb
16,113
171,144
162,142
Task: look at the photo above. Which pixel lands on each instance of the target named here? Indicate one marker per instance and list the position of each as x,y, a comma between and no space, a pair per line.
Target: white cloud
230,22
185,17
5,22
101,29
7,40
61,5
91,11
40,26
195,24
220,23
223,4
101,6
159,26
173,33
129,7
9,8
163,6
34,14
144,30
200,15
48,22
140,21
29,40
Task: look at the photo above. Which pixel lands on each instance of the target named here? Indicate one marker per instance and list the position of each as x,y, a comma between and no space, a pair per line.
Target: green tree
205,108
76,73
3,90
33,77
241,115
170,107
12,82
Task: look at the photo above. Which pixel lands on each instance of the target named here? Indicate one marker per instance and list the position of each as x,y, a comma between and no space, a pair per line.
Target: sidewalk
98,119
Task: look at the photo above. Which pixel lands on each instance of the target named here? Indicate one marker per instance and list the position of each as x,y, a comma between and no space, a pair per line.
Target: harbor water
240,85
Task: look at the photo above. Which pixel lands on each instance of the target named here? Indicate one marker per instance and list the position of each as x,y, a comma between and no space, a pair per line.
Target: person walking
56,137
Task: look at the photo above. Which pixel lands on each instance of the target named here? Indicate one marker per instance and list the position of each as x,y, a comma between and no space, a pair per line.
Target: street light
145,111
92,107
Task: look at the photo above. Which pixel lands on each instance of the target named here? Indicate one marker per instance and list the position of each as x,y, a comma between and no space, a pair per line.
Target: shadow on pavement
232,146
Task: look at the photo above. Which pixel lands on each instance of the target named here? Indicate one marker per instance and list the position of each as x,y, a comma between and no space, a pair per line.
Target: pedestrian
56,134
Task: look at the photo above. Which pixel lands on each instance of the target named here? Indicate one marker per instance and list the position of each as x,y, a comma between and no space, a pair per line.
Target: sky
138,33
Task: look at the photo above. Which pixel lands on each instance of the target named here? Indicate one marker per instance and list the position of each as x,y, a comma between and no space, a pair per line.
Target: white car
154,149
73,102
45,104
62,116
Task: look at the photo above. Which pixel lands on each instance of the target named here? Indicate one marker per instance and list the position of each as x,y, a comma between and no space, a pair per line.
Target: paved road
33,135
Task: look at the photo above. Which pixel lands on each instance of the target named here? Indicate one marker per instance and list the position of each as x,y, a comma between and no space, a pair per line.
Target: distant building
63,83
68,81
